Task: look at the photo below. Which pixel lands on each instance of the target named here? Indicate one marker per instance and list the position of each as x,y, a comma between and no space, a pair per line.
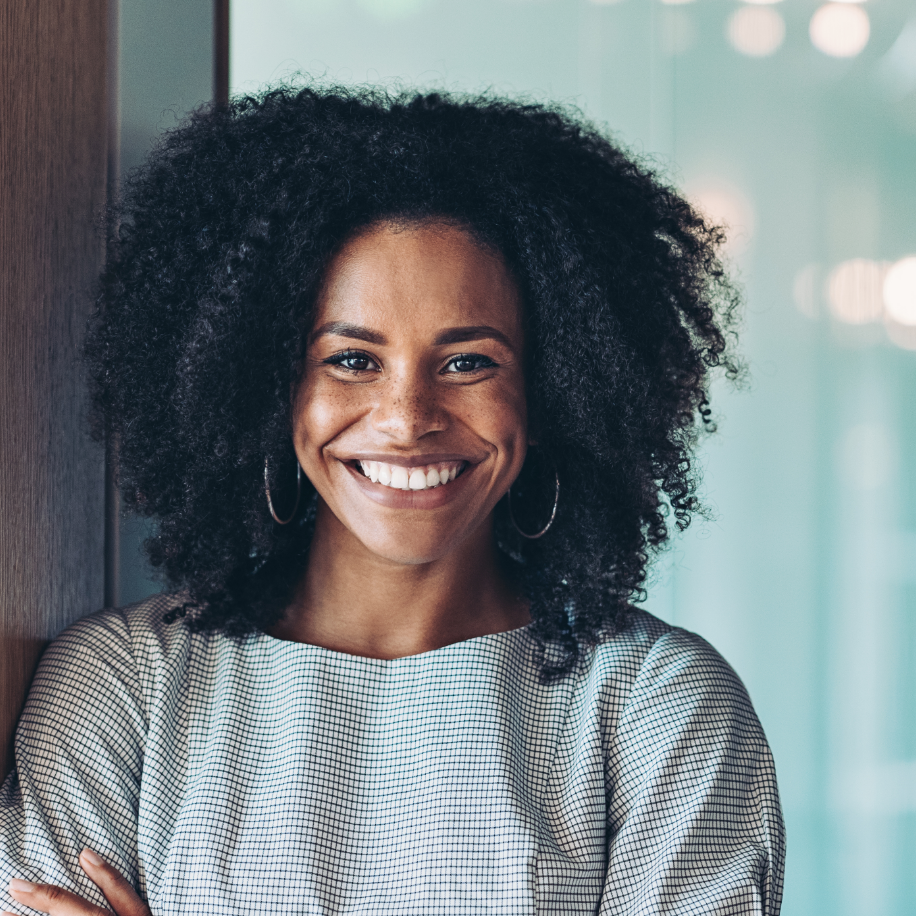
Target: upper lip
409,461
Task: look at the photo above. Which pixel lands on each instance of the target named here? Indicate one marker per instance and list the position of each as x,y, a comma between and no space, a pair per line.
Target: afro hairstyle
217,251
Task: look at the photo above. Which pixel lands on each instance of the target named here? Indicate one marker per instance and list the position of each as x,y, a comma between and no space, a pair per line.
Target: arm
79,752
56,901
694,822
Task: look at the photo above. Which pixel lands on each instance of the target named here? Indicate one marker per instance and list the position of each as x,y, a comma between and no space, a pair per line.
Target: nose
408,408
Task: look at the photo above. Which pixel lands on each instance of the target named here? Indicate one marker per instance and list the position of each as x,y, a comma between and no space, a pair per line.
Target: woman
410,386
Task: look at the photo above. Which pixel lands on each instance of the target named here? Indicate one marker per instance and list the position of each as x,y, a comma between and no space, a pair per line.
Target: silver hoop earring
270,505
553,514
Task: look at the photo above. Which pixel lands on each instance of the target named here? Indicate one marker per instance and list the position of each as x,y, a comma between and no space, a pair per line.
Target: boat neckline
275,641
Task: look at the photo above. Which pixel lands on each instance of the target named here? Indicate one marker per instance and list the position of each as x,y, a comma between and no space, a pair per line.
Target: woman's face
410,417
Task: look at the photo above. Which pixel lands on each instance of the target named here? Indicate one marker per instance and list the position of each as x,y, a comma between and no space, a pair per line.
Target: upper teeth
420,478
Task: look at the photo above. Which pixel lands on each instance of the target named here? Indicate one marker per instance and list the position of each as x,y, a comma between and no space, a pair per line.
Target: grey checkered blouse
276,777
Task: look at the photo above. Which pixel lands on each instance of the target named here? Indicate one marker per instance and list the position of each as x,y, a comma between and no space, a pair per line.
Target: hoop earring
270,505
553,514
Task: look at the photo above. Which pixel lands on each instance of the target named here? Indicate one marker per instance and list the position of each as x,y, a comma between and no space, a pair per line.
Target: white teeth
398,477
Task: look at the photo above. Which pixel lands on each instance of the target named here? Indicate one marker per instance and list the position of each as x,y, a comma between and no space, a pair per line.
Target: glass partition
165,70
795,123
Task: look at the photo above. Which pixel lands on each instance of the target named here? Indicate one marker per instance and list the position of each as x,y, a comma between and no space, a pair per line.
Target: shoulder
650,656
691,784
112,652
136,630
653,683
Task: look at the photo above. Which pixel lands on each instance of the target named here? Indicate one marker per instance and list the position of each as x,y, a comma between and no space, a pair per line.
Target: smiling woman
338,333
375,428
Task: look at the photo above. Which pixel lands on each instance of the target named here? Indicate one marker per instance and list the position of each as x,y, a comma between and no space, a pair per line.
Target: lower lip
431,498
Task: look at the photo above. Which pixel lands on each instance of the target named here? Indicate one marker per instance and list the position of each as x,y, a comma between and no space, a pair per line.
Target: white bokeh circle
757,31
900,292
840,29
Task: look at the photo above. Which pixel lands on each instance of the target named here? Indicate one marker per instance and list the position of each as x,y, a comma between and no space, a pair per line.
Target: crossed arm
56,901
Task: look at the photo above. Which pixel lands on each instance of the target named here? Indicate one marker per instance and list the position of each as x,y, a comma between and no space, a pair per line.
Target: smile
424,477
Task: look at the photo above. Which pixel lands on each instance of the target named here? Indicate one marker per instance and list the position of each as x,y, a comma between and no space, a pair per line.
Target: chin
407,551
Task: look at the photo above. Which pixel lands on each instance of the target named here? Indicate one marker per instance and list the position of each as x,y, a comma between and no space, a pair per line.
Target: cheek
501,418
321,412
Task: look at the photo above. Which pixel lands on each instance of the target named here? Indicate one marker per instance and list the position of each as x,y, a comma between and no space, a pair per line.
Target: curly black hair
220,245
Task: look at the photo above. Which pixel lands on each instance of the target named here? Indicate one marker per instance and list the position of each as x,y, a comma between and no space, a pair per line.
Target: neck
352,600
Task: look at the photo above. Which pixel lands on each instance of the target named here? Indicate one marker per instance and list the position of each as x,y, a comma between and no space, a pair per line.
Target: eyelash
473,357
338,359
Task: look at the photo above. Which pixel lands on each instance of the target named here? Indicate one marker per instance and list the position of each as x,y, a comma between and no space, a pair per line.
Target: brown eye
352,361
469,362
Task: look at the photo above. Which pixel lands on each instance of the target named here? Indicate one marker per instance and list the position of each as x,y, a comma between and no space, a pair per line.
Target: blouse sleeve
694,821
78,752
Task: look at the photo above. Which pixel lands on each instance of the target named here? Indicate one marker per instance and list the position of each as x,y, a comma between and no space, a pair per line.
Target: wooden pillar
53,150
221,52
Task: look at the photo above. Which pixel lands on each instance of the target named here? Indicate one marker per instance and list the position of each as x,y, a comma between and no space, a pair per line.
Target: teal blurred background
795,123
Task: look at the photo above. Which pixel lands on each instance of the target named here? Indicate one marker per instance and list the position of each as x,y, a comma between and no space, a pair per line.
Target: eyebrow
448,336
345,329
478,332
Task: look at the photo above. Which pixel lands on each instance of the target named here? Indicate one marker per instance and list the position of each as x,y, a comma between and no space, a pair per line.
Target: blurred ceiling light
725,206
676,2
605,2
756,31
839,29
854,291
762,2
900,292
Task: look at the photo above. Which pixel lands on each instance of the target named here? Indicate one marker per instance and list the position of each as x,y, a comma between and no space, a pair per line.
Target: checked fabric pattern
263,776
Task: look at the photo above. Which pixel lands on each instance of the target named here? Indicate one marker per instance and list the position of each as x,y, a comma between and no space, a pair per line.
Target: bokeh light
840,29
900,292
676,2
724,205
756,31
855,291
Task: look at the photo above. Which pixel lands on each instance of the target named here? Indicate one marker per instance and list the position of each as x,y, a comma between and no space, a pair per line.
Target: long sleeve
694,823
79,752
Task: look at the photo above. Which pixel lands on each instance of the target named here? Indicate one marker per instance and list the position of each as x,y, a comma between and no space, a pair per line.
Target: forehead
416,276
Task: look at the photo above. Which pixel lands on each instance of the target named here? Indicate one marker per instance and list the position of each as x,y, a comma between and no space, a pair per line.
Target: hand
46,898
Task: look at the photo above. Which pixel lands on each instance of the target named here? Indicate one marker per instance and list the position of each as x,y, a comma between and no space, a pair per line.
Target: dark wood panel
52,184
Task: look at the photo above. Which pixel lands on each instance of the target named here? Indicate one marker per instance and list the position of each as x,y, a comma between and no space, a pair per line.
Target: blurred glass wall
165,70
795,123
